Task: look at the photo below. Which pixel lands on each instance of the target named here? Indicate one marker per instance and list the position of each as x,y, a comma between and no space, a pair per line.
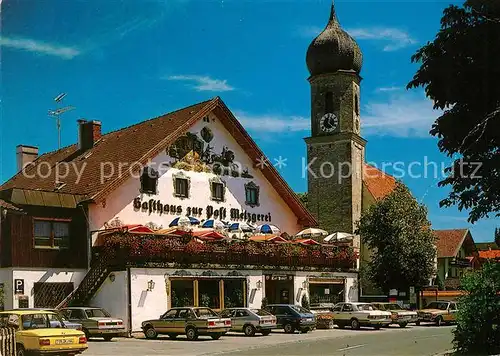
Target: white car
356,315
399,315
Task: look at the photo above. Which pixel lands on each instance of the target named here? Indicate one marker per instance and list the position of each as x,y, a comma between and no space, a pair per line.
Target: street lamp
305,284
151,285
259,284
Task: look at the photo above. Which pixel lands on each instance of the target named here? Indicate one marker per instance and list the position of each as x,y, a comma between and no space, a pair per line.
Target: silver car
250,321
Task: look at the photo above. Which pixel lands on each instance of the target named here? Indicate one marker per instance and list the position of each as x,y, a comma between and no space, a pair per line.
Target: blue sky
125,61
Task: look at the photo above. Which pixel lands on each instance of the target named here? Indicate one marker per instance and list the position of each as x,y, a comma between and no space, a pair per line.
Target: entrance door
279,291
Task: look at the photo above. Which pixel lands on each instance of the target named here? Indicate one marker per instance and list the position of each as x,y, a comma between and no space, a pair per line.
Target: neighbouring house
456,254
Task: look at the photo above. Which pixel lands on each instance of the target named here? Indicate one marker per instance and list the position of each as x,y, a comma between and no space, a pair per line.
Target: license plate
64,341
309,319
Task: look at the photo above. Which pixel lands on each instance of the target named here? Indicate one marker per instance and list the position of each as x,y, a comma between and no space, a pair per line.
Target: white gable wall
120,203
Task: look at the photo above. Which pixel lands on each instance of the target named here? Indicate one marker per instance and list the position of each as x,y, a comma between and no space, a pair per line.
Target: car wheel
249,330
20,351
107,338
216,336
87,334
355,324
289,329
403,325
150,333
172,336
439,321
266,332
330,324
191,334
417,323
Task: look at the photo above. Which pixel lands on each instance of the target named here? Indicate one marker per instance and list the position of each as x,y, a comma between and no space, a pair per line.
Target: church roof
378,183
140,143
333,50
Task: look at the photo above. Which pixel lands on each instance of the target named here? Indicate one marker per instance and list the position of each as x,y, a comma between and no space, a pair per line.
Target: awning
131,228
268,238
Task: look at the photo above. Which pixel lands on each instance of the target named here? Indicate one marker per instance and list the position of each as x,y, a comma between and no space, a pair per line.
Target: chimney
88,133
24,155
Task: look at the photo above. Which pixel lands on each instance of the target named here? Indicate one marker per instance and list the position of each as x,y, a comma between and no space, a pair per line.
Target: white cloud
309,31
30,45
273,123
203,83
393,38
404,115
387,89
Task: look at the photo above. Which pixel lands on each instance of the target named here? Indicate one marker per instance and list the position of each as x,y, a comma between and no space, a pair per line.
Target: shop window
149,181
208,293
320,293
51,234
182,293
217,191
251,194
181,187
234,293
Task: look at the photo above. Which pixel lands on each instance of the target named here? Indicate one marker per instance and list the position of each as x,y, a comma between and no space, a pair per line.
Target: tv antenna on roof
57,113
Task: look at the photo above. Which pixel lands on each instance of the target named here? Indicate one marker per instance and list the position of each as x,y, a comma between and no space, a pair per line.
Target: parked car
398,315
324,317
95,322
438,312
293,317
360,314
250,321
189,321
55,323
36,335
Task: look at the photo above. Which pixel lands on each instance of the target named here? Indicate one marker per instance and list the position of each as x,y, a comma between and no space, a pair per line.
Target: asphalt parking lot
423,340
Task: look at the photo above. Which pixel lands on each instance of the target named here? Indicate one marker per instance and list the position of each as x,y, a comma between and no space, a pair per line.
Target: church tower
335,150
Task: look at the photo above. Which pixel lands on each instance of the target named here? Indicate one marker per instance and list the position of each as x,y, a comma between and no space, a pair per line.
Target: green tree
478,318
397,230
460,73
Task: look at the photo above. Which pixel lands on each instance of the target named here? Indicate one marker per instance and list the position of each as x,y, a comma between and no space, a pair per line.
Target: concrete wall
119,204
55,275
113,296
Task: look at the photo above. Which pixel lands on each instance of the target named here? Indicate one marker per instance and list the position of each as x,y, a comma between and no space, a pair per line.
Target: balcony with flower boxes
139,250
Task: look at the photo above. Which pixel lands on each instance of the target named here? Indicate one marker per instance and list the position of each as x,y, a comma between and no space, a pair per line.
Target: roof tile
449,241
378,183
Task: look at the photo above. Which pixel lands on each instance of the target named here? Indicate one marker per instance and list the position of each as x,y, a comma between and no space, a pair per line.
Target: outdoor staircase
94,278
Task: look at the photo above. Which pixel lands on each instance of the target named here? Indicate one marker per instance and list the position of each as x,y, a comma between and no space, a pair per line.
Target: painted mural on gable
193,152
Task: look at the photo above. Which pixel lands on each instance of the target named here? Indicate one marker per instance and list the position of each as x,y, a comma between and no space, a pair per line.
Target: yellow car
438,312
42,332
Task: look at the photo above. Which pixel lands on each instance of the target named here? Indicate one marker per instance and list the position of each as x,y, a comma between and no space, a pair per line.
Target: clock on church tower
335,149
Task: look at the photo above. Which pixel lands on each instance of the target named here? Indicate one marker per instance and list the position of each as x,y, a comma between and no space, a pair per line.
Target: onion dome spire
333,50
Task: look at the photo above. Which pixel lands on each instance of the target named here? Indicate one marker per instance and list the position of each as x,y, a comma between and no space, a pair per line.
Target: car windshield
205,313
393,306
300,309
41,321
366,307
437,305
261,312
97,313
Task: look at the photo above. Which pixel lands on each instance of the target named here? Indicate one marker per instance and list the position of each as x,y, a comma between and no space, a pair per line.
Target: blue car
293,317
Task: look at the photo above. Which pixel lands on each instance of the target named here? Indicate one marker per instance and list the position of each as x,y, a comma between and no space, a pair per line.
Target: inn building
71,219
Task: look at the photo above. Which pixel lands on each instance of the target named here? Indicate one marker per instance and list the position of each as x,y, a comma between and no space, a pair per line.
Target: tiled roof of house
449,241
139,143
490,254
6,205
378,183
